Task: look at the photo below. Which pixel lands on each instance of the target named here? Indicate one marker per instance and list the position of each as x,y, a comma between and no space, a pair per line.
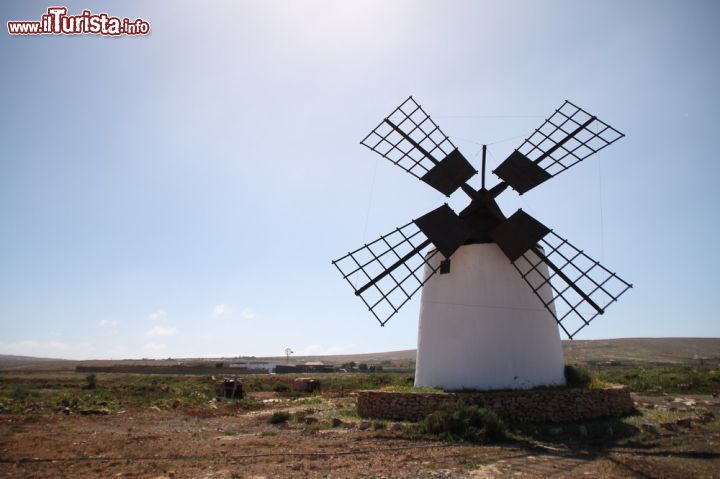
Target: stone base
520,406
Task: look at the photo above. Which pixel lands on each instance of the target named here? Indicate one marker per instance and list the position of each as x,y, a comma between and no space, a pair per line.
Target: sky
182,194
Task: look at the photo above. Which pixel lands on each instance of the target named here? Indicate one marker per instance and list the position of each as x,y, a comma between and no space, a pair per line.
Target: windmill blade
409,138
582,287
569,136
386,273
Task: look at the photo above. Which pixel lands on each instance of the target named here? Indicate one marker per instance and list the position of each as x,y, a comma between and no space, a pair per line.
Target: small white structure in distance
253,365
314,363
482,327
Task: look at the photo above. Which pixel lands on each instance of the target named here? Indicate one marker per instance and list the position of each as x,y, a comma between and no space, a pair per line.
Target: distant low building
253,365
260,365
308,367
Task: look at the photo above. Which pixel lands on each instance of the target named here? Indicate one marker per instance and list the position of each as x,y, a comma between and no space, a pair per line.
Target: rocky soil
673,436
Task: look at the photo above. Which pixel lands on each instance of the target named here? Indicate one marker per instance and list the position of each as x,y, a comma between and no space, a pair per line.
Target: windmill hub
482,216
490,321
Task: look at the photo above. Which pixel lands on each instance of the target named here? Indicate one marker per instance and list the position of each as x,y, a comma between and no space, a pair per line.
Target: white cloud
160,331
159,315
108,324
221,310
224,310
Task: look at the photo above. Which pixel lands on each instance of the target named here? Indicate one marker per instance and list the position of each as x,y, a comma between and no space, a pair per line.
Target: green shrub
280,388
279,417
576,377
20,393
686,379
465,423
364,380
256,385
90,381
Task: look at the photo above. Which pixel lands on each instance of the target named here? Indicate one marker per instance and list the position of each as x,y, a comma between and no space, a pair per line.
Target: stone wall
539,405
141,369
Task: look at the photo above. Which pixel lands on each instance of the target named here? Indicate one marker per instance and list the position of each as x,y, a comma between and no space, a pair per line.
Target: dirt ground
673,437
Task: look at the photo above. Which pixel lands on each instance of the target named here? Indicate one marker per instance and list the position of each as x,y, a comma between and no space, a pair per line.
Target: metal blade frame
427,144
385,297
567,137
595,280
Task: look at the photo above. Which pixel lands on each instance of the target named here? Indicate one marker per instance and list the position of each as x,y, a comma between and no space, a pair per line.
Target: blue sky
182,194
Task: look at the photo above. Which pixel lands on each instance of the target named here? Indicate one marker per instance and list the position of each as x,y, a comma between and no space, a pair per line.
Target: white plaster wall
482,327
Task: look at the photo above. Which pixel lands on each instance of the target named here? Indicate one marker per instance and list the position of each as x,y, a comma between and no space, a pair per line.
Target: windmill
288,352
496,289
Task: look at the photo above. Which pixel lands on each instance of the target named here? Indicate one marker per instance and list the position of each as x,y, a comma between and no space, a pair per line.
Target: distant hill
640,351
9,358
598,352
629,351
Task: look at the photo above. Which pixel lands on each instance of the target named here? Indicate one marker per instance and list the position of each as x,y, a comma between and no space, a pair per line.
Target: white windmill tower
490,318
